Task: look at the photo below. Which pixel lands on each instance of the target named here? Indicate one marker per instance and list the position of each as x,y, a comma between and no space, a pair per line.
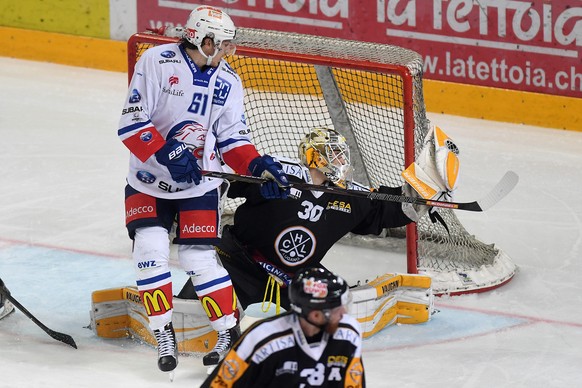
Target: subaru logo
168,54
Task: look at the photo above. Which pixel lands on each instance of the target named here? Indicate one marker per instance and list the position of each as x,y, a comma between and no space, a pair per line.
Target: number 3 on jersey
310,212
199,103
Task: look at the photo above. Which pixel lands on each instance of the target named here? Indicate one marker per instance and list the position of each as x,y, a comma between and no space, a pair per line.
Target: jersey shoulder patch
294,167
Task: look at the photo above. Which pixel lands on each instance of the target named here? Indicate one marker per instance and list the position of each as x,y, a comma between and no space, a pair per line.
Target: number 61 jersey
275,353
171,97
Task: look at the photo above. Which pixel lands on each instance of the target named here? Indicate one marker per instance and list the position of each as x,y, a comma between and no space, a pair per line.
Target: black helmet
317,289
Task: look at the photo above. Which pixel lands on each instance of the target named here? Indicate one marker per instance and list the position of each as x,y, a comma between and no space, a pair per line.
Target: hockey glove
180,162
277,187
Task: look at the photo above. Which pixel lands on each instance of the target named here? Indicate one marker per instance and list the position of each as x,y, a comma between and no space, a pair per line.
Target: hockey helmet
328,151
210,22
213,23
317,289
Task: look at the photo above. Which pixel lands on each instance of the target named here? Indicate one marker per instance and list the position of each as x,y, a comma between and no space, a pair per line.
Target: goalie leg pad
391,299
119,313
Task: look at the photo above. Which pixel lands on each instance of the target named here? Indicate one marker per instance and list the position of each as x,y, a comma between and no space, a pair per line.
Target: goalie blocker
384,301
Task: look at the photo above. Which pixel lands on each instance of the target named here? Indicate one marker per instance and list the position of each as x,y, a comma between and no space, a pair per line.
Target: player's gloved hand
180,162
277,187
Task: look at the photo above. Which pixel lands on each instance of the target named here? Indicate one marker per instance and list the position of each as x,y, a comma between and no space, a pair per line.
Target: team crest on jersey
341,206
135,97
295,245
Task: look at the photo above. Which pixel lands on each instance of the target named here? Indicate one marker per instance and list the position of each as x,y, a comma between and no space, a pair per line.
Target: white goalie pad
391,299
386,300
437,167
119,313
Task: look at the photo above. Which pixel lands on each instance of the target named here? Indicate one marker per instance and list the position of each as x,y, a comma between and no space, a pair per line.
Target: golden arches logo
154,300
208,303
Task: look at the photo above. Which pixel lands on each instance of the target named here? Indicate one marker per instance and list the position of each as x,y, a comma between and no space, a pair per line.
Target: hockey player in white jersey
184,112
316,344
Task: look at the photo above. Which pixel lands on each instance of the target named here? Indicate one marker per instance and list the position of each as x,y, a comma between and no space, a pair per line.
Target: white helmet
210,22
328,151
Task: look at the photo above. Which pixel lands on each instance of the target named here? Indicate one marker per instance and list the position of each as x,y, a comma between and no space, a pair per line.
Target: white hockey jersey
169,96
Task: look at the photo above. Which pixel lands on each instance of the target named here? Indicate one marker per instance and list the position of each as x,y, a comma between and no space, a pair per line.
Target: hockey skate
226,340
167,348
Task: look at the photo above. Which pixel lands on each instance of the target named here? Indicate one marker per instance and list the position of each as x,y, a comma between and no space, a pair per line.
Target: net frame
457,262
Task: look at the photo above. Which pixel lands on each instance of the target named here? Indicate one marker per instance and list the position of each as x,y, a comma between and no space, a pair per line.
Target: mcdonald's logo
211,307
155,302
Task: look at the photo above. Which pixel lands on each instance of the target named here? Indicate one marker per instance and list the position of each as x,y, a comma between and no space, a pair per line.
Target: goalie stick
67,339
503,187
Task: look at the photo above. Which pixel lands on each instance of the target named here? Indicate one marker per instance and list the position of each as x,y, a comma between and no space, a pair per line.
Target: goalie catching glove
435,172
277,186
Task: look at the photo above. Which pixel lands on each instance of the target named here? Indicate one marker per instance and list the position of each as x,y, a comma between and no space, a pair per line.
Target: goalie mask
213,23
328,151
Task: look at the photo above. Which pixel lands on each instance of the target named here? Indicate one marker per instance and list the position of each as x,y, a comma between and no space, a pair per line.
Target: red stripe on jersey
239,158
145,143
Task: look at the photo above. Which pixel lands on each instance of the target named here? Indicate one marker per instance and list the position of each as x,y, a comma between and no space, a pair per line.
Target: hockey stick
503,187
55,334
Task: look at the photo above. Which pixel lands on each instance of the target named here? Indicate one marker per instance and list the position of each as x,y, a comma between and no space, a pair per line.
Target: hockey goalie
271,240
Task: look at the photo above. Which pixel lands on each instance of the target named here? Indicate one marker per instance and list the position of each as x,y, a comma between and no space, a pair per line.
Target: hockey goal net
373,94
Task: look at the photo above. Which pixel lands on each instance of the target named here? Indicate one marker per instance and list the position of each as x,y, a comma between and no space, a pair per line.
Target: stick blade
503,187
65,338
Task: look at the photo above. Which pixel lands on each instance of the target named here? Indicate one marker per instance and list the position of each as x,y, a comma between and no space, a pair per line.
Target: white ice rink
62,236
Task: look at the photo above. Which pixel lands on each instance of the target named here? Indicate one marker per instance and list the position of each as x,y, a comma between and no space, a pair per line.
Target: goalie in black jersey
316,344
273,239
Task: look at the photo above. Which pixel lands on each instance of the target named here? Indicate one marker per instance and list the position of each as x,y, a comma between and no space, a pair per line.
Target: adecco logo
139,206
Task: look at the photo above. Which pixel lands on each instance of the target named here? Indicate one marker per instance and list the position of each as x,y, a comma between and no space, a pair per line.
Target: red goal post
373,94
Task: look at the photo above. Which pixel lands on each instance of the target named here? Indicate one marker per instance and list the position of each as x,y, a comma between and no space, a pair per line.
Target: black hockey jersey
274,353
296,233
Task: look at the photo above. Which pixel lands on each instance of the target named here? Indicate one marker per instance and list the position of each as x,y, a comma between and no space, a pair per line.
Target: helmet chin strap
209,58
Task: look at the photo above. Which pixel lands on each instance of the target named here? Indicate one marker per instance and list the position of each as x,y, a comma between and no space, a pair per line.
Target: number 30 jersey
297,232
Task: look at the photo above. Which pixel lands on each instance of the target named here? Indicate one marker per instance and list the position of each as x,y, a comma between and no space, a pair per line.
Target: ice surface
62,236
